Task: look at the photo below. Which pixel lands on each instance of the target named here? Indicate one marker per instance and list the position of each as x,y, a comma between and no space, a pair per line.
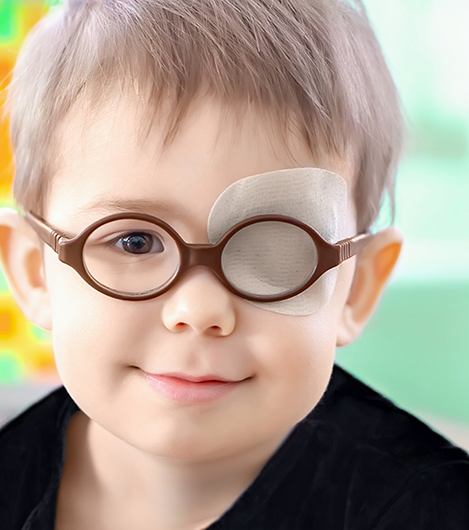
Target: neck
168,493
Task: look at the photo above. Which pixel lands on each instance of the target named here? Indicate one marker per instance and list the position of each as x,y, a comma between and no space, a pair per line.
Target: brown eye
140,243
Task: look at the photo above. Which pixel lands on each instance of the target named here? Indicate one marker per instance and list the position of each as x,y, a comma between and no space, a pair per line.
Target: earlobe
20,254
373,269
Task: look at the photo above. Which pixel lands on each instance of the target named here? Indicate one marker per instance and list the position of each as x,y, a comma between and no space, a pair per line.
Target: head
159,107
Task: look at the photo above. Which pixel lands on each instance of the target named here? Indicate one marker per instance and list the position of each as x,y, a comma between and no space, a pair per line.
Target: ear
373,269
21,258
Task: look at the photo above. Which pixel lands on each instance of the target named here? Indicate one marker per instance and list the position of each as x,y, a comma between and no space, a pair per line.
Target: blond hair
312,63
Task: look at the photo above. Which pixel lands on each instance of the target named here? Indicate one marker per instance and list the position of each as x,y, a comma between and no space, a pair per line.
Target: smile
191,390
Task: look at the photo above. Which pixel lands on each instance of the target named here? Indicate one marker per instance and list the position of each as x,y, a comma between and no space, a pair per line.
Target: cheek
296,353
312,350
94,336
295,356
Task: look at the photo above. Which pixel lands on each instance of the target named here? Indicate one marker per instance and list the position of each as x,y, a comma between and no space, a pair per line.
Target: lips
188,389
192,379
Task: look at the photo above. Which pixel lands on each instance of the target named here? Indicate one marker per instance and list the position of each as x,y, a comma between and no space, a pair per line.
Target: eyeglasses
135,256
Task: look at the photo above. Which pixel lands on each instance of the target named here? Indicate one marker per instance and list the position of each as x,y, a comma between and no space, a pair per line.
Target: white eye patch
316,197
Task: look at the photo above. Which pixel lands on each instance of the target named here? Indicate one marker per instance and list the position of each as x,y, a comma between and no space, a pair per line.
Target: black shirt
356,462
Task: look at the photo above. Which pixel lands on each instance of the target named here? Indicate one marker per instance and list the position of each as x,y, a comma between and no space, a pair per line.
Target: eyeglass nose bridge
204,255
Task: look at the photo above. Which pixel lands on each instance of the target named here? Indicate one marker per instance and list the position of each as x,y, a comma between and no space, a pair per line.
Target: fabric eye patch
314,196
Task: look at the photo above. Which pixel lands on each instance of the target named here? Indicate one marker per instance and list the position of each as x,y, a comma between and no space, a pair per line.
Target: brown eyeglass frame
70,252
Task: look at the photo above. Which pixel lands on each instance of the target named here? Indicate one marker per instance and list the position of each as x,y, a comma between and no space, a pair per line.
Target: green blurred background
416,348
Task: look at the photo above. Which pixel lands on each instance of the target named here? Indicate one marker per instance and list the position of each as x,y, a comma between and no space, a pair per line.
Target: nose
199,302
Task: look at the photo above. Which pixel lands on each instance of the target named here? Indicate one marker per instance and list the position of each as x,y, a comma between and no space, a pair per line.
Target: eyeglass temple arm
45,232
353,245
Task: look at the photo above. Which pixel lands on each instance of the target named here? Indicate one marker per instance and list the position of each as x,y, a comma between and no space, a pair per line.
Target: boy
198,179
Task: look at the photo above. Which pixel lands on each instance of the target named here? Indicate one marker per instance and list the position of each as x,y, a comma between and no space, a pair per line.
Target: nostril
216,331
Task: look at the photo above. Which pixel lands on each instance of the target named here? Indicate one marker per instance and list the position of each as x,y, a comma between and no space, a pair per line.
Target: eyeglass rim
70,252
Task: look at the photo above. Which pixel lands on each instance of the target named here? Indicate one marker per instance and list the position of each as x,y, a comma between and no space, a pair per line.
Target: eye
140,243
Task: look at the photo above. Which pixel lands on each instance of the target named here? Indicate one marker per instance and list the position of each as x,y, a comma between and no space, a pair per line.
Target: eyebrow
109,206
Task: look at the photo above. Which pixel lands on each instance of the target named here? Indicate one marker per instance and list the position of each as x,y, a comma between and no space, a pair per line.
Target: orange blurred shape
5,69
6,156
7,327
6,167
39,364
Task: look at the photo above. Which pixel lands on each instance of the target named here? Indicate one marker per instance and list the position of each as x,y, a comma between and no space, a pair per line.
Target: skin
180,466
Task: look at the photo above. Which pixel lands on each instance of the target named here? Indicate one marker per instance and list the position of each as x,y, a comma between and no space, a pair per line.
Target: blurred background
416,348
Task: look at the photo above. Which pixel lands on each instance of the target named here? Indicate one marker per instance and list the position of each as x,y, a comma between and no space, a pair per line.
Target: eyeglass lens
132,256
269,258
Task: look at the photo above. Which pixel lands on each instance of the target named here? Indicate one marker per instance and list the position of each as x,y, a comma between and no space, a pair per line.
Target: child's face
280,365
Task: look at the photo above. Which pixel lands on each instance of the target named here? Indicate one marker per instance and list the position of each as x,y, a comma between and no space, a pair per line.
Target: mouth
183,388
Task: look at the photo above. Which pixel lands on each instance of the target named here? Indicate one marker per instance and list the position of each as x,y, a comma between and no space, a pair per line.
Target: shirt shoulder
366,418
31,457
399,472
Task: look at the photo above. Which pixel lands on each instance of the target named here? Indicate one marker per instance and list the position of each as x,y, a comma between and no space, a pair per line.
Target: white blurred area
16,398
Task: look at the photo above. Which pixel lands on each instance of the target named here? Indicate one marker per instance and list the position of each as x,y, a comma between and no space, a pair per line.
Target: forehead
106,165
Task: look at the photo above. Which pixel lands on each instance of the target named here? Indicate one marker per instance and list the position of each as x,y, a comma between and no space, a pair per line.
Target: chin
187,449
